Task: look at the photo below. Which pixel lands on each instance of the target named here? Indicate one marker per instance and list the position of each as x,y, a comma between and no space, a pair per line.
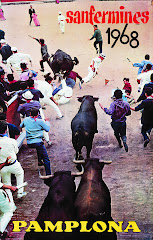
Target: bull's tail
80,137
76,61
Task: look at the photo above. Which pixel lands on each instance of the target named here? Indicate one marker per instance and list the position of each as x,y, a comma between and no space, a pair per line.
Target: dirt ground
129,177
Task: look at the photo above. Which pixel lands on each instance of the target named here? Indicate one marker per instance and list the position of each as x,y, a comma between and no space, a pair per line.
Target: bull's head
61,177
74,174
90,161
81,99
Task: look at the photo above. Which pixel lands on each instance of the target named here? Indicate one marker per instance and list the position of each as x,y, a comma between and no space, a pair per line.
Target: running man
98,36
92,69
44,53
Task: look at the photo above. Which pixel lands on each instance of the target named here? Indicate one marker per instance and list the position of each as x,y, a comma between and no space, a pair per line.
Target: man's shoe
40,163
120,145
59,118
20,195
80,84
148,135
49,143
125,146
146,142
4,234
42,70
97,51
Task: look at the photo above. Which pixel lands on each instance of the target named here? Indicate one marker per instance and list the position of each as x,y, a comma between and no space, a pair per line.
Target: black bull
93,201
62,63
84,125
57,206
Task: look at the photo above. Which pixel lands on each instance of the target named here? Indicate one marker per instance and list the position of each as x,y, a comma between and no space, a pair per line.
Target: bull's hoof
40,163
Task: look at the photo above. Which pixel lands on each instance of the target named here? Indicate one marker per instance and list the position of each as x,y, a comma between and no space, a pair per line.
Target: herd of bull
91,201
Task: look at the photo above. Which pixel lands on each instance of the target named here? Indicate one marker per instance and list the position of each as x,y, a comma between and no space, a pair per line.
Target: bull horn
45,177
78,161
77,174
105,162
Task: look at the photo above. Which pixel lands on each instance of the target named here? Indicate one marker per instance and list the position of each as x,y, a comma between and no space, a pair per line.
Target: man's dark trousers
100,45
42,155
119,131
146,128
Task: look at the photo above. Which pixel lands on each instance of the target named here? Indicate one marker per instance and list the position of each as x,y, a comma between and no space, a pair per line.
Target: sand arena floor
129,175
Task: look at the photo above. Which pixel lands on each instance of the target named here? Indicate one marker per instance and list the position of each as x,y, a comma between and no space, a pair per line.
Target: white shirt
144,78
44,87
16,58
8,148
61,18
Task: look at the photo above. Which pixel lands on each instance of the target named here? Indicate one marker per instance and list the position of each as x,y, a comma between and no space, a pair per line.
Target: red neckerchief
35,117
150,97
31,88
10,82
147,70
102,58
28,100
25,70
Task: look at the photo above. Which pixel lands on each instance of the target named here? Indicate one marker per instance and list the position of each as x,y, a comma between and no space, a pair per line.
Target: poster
129,176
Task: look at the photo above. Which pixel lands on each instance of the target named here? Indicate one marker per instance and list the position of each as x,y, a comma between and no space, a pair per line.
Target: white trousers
63,100
45,134
89,76
49,102
15,169
6,213
62,26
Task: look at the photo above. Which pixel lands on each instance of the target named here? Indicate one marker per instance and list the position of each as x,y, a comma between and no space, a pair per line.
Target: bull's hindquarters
80,139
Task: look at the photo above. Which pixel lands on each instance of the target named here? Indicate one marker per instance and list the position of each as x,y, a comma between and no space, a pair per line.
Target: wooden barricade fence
13,117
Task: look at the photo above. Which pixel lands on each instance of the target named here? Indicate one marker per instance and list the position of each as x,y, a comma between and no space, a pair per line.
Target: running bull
84,125
57,206
62,63
93,201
